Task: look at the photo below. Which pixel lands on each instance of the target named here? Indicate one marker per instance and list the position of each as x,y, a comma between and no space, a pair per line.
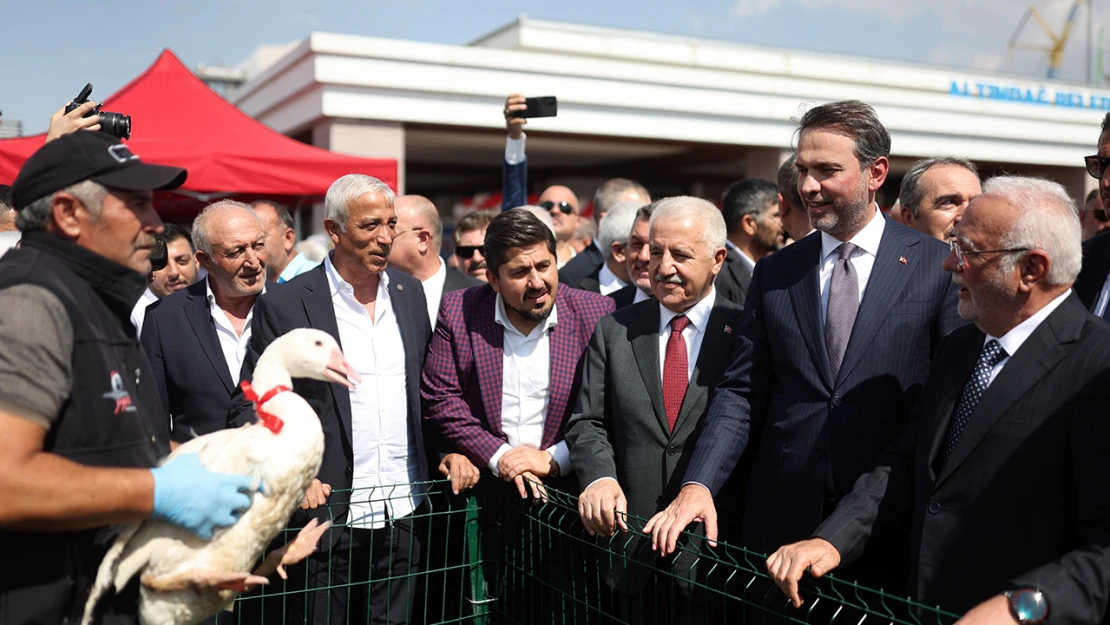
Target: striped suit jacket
462,382
810,432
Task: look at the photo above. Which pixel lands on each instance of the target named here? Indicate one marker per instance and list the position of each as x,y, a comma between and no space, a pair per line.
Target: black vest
113,417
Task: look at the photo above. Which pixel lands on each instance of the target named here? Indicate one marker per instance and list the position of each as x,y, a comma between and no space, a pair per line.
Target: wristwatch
1027,605
554,469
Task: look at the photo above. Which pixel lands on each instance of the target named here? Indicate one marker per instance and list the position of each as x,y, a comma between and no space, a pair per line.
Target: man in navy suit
372,433
836,346
196,338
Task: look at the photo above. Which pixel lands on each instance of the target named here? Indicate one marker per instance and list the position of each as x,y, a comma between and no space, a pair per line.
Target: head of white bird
314,354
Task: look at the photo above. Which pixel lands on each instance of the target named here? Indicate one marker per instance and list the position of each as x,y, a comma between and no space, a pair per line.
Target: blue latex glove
190,496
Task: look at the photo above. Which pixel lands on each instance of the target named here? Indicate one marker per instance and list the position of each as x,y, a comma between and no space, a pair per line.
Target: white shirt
609,282
693,334
514,149
1013,340
234,346
138,313
863,259
382,440
640,296
433,290
1103,298
526,376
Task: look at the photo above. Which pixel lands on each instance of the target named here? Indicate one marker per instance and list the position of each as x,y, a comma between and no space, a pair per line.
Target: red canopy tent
178,120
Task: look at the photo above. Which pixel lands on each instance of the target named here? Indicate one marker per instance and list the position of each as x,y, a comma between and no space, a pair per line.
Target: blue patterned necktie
973,391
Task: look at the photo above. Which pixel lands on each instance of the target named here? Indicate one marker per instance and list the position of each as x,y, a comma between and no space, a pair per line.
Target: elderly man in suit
634,426
503,372
373,441
751,211
415,251
1002,470
196,339
612,275
836,345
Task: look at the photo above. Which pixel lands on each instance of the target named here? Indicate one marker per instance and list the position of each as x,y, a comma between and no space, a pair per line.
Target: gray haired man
612,239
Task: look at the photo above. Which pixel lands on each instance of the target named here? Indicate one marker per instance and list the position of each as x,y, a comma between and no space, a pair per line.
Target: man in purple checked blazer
505,363
500,380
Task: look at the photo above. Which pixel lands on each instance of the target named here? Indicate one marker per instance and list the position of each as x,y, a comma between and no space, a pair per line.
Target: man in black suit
637,258
380,318
612,236
1093,284
415,251
751,211
837,341
634,424
1002,470
606,197
196,338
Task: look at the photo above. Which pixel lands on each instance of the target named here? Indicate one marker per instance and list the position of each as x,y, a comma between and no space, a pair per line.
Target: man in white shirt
374,447
612,237
503,368
415,251
751,211
645,387
180,271
197,338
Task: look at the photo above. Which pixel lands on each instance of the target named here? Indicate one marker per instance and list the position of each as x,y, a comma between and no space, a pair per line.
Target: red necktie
675,375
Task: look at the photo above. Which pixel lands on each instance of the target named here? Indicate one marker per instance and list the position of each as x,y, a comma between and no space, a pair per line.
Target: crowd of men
916,400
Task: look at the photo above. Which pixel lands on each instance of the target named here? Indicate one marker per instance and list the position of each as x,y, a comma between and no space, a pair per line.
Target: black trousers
369,576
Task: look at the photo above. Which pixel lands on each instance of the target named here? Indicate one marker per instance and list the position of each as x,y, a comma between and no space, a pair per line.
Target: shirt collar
501,318
698,315
1013,339
867,240
344,288
747,259
439,276
641,296
293,268
607,278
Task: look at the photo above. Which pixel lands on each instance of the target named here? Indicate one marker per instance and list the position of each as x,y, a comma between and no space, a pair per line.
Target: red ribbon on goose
271,421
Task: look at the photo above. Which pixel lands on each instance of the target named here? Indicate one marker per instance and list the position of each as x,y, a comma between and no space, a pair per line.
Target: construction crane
1055,49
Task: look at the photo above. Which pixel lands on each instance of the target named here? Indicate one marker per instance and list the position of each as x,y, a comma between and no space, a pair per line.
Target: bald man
197,337
562,204
415,251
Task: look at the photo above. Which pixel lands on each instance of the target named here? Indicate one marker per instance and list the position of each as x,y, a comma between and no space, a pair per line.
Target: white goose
185,579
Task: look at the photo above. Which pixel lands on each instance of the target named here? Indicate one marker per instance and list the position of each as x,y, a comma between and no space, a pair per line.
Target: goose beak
340,371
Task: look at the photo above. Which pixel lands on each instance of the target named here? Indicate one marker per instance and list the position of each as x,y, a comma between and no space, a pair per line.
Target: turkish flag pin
728,329
902,259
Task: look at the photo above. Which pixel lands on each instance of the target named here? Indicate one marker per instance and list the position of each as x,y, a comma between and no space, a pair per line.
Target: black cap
86,155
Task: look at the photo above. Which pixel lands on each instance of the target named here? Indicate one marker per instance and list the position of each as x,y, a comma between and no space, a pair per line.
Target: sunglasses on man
467,251
1096,165
565,207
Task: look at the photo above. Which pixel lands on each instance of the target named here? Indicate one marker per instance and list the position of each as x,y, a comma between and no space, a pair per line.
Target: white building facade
681,115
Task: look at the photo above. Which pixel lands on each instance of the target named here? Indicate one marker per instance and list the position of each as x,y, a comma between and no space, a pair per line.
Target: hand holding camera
81,114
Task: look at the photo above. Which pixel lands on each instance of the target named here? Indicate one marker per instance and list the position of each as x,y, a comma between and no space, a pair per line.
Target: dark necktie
675,373
840,315
973,391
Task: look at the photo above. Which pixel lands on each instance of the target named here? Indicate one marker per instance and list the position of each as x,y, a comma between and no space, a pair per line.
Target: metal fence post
478,590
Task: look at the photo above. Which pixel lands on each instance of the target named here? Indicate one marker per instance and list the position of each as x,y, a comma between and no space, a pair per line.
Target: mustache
530,293
675,279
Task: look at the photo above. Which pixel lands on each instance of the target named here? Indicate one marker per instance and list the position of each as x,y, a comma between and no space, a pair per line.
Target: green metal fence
490,557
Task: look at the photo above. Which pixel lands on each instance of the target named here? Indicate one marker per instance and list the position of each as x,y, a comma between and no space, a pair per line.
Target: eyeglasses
565,207
1096,165
961,254
467,251
1099,213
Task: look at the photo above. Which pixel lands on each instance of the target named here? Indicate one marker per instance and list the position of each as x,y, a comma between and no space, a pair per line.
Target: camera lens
116,124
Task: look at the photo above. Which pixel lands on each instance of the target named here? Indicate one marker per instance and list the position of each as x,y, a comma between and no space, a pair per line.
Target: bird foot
201,579
296,550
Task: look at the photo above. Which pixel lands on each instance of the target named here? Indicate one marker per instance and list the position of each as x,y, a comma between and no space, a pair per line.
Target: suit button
934,507
672,450
835,401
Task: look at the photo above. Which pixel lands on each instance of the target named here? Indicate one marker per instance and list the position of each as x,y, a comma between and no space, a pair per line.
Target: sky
48,50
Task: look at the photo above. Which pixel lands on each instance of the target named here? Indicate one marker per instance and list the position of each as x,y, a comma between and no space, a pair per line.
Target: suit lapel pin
728,329
902,259
401,287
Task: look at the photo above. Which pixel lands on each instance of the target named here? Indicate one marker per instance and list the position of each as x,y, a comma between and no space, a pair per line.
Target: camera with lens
115,124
